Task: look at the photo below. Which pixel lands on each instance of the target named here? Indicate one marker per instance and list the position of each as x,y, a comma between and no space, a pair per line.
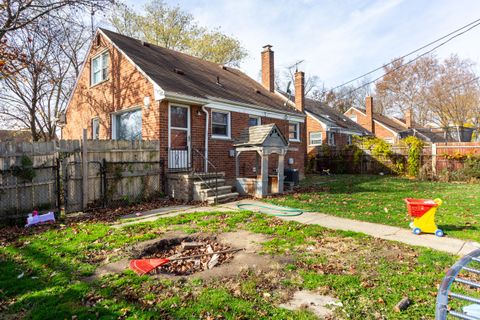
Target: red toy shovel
144,266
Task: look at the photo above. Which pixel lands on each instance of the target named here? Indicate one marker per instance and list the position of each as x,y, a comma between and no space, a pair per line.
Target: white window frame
310,138
98,123
114,122
297,130
331,138
354,117
229,125
102,67
259,120
349,139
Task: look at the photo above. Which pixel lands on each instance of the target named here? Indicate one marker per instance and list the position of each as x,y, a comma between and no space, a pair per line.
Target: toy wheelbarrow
423,212
144,266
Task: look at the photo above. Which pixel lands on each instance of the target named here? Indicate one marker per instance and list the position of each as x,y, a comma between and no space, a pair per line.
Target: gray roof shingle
176,72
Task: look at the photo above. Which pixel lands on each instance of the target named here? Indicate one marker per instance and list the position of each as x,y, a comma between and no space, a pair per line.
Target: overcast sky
338,40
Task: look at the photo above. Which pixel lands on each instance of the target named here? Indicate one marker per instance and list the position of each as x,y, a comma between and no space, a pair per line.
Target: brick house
383,127
326,126
129,89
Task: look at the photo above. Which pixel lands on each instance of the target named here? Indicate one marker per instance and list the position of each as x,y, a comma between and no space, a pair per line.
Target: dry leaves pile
190,266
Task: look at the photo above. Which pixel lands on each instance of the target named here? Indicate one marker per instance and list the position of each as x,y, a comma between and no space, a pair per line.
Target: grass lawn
380,199
41,275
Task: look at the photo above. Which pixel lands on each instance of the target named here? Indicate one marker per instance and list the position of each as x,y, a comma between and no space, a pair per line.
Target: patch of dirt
200,249
248,258
321,306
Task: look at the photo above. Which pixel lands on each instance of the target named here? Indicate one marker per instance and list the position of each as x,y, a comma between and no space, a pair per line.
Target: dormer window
99,68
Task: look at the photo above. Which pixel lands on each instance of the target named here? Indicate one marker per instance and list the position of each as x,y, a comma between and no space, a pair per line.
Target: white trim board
256,112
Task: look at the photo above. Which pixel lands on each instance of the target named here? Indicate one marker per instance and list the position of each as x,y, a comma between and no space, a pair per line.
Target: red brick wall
125,88
314,126
379,131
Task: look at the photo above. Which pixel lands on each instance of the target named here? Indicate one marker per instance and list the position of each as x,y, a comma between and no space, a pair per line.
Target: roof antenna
295,65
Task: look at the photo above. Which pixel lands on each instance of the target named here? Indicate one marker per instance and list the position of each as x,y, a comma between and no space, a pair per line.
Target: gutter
207,115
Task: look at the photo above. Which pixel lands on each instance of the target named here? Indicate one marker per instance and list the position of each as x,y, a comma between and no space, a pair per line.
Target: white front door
179,155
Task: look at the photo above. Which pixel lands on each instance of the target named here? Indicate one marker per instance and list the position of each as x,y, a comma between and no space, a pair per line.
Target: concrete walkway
445,244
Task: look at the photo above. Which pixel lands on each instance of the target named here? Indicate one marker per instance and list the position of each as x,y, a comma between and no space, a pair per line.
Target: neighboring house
21,135
129,89
326,126
383,127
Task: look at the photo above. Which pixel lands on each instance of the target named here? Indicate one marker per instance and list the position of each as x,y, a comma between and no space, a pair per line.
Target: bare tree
345,97
406,87
36,92
173,28
454,95
16,14
285,79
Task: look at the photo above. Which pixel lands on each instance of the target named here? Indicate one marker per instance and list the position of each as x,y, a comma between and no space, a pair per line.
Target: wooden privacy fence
435,159
77,175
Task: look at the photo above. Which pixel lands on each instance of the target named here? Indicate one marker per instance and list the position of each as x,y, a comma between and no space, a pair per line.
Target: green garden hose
283,211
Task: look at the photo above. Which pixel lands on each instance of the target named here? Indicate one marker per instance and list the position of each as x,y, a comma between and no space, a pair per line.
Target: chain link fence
25,188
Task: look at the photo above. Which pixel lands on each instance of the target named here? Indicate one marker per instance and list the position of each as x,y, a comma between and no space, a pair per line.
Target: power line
412,60
406,55
465,83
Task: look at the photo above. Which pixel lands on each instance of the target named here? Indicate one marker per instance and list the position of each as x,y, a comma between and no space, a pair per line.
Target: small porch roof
267,135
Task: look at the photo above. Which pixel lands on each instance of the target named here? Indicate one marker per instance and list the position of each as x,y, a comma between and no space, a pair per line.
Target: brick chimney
300,90
268,70
369,111
409,118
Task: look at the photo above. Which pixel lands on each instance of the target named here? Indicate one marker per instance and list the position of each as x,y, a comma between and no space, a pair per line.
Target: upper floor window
294,131
353,117
316,138
99,68
254,121
221,124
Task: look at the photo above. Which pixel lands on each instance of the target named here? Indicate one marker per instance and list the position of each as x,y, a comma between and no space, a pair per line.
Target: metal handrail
215,170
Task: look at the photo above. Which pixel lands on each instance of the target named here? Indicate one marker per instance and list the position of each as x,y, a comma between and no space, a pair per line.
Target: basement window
294,131
127,125
99,68
316,138
221,124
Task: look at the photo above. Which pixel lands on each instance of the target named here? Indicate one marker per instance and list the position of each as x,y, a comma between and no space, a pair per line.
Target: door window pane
179,117
129,125
178,139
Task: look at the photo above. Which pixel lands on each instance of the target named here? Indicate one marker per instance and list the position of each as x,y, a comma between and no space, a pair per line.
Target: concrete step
223,198
208,175
204,184
211,192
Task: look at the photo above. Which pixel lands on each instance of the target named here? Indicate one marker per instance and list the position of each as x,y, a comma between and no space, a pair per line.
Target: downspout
206,136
